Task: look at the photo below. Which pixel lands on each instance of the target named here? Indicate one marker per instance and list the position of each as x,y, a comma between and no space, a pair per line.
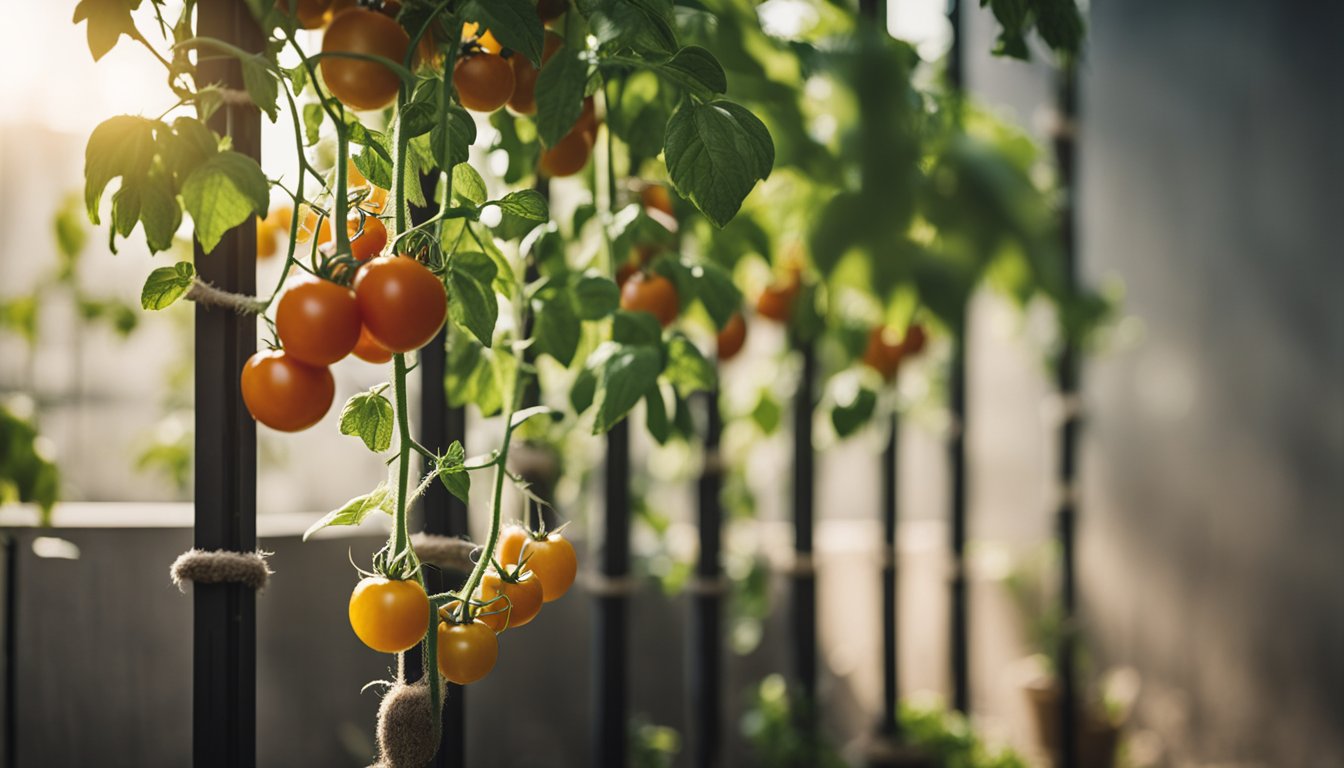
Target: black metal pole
890,726
11,613
1067,381
224,682
804,572
610,649
706,614
959,633
443,513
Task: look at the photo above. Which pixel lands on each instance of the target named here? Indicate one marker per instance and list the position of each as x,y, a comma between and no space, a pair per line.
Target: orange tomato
732,337
652,293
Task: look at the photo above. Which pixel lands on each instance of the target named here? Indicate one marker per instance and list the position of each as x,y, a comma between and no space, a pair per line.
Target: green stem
496,501
401,539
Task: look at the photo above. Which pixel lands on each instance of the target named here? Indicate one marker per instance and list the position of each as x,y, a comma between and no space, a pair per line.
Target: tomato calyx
399,567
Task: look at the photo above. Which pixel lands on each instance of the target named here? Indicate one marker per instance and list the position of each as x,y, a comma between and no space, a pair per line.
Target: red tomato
369,350
732,337
285,394
317,321
360,83
402,303
569,155
652,293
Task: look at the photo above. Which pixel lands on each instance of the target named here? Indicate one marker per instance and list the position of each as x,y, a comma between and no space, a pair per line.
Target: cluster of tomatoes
643,290
486,76
394,304
529,569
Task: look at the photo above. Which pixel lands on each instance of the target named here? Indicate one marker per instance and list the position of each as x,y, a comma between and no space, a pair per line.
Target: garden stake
1067,380
224,659
706,617
959,632
804,571
11,617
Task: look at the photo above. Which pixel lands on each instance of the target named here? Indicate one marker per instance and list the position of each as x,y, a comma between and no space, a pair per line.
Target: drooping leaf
696,69
716,152
368,416
624,374
107,21
120,146
452,472
380,499
687,370
471,299
560,90
222,193
514,23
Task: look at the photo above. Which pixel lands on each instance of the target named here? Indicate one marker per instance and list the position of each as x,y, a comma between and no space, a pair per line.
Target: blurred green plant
770,726
948,739
651,745
27,475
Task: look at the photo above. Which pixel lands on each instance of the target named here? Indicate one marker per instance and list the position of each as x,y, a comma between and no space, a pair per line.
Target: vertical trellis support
804,568
890,726
706,615
959,608
224,680
1065,143
610,641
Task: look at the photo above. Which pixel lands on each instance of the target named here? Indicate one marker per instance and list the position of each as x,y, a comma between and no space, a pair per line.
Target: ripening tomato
359,83
365,243
402,303
732,337
484,81
882,354
550,10
466,652
776,301
551,559
652,293
369,350
311,14
524,98
389,615
267,242
285,394
915,339
317,321
656,197
569,155
519,603
512,539
280,218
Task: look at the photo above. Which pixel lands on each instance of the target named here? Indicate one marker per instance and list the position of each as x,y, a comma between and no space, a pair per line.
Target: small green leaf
468,184
525,204
159,212
222,193
166,285
635,328
451,470
695,68
369,416
848,416
471,300
261,84
107,21
768,413
527,413
560,89
585,387
624,375
595,296
688,370
558,328
514,23
716,152
313,114
120,146
353,512
713,287
655,415
451,140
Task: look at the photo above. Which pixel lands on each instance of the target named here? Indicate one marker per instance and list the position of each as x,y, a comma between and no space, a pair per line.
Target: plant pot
1098,736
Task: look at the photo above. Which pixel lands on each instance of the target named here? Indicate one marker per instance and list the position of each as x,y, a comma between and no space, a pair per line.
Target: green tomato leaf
120,146
222,193
107,21
713,287
585,387
369,416
159,212
595,296
514,23
848,416
636,328
451,140
525,204
527,413
468,186
560,89
451,470
558,328
716,152
166,285
687,370
768,413
261,84
380,499
624,375
641,25
655,415
471,300
696,69
313,114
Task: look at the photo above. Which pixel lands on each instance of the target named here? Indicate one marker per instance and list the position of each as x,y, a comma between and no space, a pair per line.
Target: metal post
10,755
959,633
804,572
890,726
1067,381
443,513
610,639
706,609
224,684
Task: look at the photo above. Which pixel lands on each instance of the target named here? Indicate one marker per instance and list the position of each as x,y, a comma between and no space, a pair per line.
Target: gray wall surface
1213,509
